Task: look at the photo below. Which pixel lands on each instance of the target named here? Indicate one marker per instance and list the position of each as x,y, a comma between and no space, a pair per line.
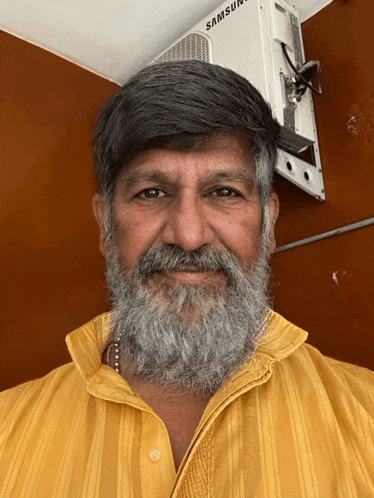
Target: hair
179,105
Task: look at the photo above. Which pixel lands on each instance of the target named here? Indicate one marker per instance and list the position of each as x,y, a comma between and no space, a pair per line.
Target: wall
51,274
326,287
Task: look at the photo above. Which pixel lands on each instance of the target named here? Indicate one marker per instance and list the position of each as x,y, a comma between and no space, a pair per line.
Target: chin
189,303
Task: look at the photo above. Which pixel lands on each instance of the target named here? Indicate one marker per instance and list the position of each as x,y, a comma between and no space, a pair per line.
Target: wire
318,92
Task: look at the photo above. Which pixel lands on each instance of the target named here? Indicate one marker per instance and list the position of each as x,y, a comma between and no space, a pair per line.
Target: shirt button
155,455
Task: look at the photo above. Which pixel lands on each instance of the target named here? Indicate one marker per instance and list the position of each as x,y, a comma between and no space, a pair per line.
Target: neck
179,410
149,390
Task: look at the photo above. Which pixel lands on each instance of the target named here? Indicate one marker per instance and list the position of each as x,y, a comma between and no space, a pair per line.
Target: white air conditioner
254,38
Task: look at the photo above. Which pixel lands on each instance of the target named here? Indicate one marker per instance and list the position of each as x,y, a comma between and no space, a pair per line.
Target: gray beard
189,337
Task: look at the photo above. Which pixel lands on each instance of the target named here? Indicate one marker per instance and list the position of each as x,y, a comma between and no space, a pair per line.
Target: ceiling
113,38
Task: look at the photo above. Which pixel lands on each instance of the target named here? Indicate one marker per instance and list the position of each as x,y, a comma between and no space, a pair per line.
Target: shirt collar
86,344
281,339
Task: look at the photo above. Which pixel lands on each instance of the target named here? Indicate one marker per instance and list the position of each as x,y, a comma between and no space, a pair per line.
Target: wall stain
361,120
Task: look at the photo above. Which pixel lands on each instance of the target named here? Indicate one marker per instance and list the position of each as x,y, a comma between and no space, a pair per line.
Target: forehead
224,153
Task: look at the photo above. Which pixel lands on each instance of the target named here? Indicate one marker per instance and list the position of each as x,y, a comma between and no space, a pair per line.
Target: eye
225,192
151,193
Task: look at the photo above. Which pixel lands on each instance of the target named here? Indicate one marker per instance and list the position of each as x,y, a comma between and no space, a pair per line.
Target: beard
190,337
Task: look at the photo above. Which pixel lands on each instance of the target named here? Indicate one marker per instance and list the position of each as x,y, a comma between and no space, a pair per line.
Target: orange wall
338,313
51,273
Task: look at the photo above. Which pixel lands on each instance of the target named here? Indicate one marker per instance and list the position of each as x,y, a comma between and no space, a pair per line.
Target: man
191,386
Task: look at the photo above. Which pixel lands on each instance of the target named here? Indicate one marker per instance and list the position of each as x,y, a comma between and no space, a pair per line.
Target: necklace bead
116,344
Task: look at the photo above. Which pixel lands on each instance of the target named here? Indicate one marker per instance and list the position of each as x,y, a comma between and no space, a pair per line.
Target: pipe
325,235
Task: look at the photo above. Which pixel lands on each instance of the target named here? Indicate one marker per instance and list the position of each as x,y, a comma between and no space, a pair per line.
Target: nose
187,225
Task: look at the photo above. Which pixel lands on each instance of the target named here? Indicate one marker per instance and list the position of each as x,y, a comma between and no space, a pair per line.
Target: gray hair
178,105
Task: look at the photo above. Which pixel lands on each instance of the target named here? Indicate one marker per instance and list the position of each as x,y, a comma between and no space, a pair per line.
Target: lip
192,276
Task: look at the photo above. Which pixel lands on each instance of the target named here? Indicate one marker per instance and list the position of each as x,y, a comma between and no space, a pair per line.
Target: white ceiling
113,38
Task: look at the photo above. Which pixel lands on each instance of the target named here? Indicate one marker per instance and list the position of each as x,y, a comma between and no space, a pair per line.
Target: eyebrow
136,177
233,176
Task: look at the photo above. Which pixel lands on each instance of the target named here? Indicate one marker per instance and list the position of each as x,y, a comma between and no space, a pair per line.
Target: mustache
170,257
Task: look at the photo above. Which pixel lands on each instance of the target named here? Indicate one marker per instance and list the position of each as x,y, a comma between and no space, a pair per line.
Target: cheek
134,237
244,240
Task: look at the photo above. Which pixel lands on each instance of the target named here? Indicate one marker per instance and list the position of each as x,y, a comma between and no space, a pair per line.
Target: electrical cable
318,92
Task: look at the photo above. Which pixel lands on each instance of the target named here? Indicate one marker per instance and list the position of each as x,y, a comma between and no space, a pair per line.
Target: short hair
178,105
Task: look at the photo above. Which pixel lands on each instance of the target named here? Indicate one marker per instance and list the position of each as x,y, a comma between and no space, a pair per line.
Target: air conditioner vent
194,46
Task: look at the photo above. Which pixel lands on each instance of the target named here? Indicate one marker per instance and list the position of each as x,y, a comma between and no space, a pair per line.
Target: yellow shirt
290,423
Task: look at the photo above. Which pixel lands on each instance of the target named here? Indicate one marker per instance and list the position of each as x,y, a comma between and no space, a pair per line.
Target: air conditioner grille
193,47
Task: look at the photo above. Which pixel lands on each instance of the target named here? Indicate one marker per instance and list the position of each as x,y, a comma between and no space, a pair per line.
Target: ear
99,209
273,210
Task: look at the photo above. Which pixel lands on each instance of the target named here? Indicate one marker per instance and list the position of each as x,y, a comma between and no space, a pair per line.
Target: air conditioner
262,40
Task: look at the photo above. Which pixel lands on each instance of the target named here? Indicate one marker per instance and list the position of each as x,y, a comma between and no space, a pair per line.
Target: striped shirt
290,423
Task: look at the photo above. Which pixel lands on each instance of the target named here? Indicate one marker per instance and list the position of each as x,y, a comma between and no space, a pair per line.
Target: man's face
190,199
187,263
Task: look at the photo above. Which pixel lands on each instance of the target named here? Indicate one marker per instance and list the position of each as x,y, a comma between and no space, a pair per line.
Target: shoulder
341,383
309,378
345,371
61,383
305,367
